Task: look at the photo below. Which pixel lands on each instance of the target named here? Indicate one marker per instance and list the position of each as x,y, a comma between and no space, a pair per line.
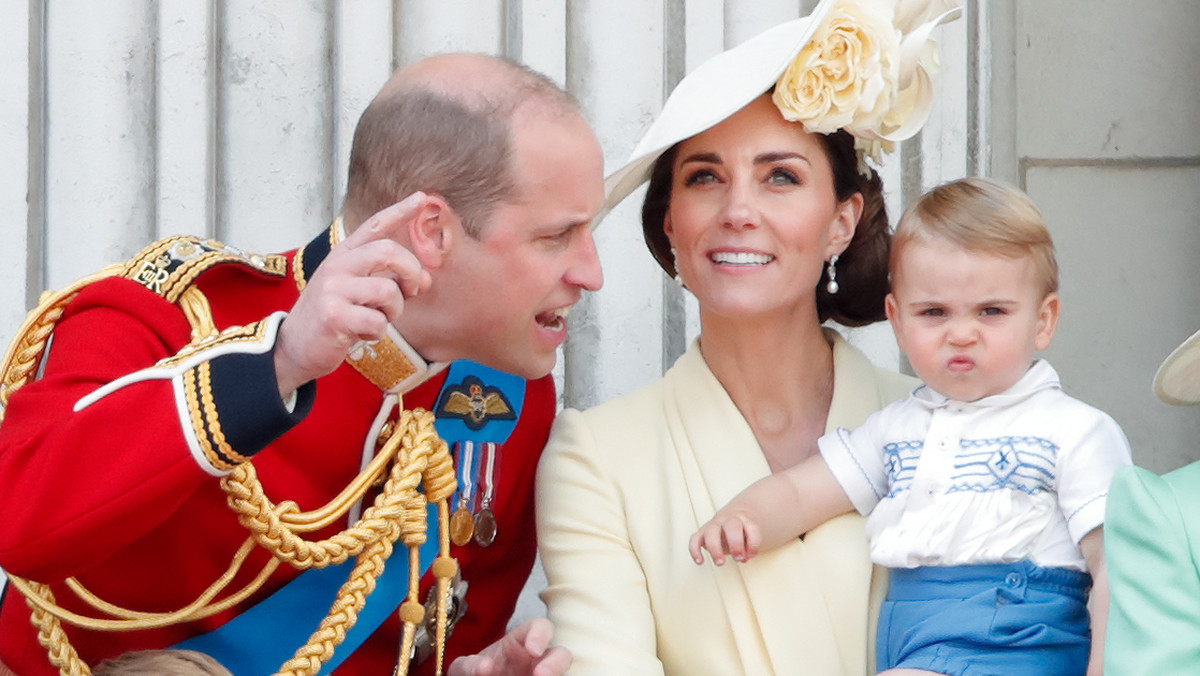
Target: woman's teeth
741,258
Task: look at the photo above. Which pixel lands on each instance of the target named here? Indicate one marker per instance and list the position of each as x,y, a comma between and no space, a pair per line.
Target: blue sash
263,637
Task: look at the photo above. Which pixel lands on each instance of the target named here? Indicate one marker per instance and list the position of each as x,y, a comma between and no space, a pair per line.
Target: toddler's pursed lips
961,364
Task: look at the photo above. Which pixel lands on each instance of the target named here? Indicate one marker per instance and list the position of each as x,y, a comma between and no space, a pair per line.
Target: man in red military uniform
194,357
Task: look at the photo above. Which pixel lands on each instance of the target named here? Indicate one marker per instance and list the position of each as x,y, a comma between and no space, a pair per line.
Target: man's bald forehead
472,79
480,82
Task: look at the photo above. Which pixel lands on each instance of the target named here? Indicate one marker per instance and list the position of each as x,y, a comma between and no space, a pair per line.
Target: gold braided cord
204,376
202,607
418,443
398,513
199,314
411,449
413,613
259,516
444,570
25,352
59,650
198,609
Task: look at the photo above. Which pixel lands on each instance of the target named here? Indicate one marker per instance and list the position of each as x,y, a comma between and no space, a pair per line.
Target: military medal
485,527
485,521
462,525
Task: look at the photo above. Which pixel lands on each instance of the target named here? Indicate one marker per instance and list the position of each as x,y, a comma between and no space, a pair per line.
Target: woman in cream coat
775,224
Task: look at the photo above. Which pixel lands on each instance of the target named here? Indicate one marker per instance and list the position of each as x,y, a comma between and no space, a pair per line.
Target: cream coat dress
621,488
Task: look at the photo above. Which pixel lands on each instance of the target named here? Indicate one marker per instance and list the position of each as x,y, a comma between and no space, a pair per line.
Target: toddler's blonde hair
980,215
161,663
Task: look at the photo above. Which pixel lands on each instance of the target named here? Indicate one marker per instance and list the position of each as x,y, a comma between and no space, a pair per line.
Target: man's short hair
982,216
417,137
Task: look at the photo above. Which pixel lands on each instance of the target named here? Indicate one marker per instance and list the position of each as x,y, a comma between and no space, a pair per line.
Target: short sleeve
1086,470
857,463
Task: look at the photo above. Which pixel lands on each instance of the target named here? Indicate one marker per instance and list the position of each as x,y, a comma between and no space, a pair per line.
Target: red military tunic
122,494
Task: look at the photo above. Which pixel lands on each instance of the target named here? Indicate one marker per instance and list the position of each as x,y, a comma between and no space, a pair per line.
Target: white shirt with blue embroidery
1020,475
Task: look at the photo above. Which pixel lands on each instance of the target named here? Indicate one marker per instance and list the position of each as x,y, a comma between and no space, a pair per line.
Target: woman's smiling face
753,215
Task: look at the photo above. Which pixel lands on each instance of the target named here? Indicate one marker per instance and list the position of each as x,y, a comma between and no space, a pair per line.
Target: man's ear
433,232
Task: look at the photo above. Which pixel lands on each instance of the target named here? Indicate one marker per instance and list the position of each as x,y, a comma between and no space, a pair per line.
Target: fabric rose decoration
868,69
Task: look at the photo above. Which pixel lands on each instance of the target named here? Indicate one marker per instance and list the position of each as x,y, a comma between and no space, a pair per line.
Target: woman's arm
1154,587
596,594
772,511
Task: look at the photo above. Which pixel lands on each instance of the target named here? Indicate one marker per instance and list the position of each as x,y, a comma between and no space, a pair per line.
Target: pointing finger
389,222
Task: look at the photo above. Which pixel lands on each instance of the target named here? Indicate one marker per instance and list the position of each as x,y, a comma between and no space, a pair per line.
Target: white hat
888,101
1178,378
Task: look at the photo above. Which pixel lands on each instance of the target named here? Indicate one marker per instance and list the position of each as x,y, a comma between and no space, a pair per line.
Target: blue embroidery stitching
900,459
1018,463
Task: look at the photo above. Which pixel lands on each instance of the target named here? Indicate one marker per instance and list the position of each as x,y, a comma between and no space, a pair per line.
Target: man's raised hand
354,294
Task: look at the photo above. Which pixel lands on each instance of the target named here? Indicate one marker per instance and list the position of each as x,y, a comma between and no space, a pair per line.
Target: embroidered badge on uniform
474,403
169,265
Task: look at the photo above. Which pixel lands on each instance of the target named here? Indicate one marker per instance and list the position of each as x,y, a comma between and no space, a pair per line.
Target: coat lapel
769,601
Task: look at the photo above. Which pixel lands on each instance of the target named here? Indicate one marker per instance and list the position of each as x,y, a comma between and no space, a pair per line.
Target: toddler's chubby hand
729,532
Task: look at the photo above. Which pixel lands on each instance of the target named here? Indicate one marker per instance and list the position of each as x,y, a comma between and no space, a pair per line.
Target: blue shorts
995,619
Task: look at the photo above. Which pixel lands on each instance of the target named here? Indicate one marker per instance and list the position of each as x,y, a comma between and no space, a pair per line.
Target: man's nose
585,271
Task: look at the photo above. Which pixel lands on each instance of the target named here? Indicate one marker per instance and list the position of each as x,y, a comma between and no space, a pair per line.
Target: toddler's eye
933,312
993,311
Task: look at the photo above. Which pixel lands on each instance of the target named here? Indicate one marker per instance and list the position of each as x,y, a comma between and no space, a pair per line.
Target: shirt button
1012,579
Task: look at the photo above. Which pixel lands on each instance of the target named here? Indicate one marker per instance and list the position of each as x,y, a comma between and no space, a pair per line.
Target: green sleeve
1154,613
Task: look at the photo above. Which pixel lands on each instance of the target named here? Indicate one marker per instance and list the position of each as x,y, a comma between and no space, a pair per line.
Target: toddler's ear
892,309
1047,321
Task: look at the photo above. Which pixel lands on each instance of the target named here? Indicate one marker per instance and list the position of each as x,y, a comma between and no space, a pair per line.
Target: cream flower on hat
868,69
846,76
865,66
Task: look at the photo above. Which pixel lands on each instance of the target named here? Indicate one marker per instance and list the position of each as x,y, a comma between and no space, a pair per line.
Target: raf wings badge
474,403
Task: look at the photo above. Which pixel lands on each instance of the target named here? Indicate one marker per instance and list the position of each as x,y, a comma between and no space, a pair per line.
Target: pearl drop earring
832,285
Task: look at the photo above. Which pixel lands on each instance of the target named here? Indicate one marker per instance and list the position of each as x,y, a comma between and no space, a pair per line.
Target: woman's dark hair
862,269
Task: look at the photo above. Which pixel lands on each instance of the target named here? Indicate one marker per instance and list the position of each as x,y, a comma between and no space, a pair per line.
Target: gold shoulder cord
412,455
